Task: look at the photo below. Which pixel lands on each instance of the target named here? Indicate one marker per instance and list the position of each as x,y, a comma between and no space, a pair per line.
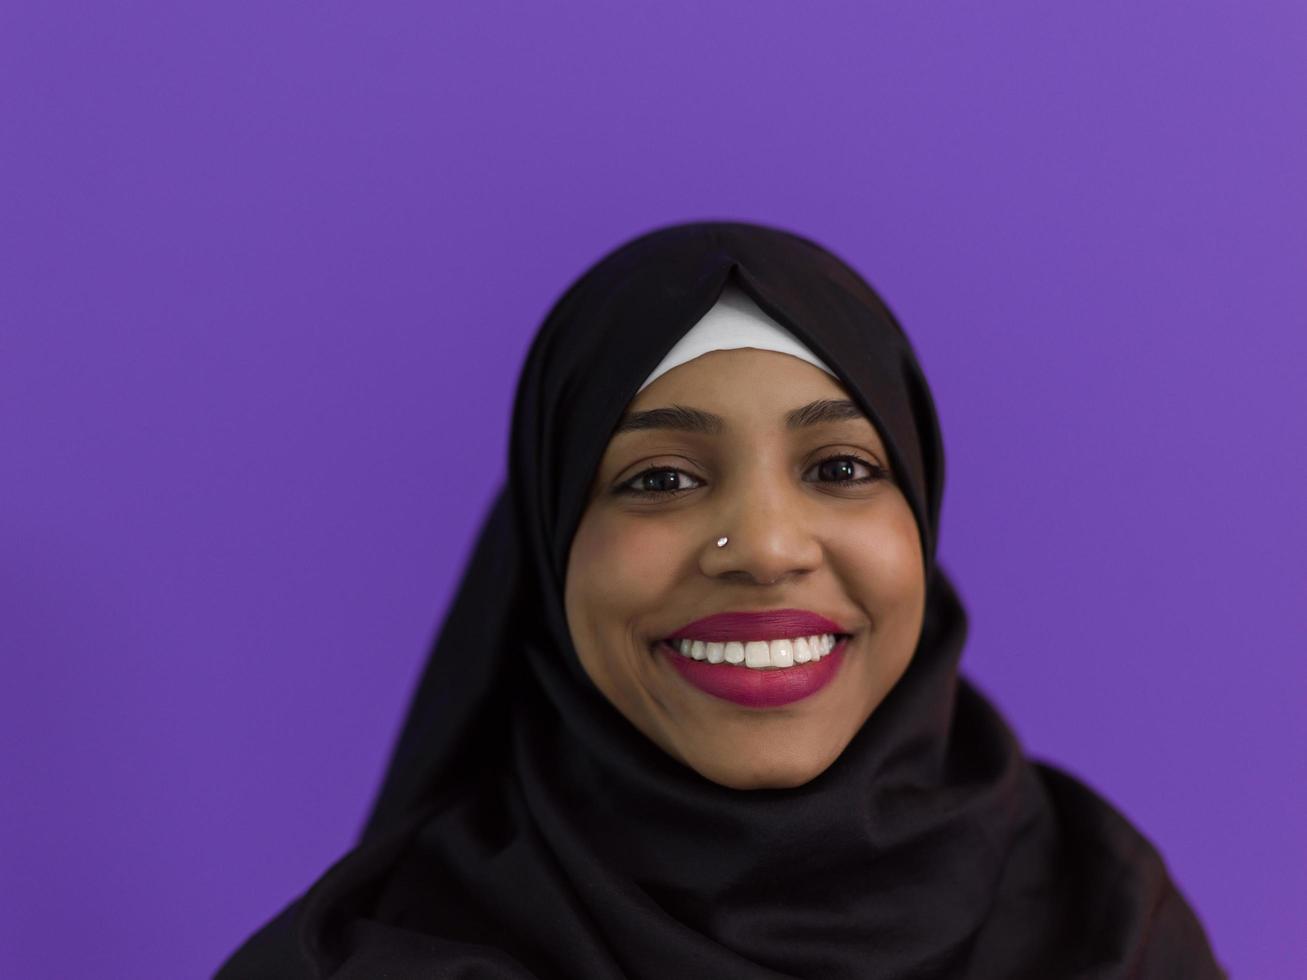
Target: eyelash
878,472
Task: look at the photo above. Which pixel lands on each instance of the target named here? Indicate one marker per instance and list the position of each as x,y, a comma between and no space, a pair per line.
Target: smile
768,639
761,686
760,654
761,659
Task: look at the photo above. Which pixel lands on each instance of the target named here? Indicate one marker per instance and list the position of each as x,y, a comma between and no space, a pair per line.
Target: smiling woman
696,709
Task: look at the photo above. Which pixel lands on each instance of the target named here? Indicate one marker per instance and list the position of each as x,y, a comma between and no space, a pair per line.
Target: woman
695,711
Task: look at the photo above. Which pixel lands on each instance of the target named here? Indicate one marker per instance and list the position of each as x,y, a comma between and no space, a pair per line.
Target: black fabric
526,829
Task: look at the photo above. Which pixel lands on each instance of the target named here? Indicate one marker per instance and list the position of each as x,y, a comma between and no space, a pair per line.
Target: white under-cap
735,321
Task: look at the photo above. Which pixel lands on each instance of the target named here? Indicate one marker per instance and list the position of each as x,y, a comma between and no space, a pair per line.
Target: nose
769,536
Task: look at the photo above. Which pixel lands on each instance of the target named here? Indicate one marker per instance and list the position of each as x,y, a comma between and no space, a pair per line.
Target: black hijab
525,828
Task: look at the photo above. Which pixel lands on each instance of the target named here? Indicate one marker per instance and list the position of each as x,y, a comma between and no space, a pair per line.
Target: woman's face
815,522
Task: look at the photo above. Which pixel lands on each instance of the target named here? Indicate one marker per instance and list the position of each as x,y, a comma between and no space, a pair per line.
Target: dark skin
803,534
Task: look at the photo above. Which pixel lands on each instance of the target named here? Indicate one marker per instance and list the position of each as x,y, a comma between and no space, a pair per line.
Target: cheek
618,570
883,557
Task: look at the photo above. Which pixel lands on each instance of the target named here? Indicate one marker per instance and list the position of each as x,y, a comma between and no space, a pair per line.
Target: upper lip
768,624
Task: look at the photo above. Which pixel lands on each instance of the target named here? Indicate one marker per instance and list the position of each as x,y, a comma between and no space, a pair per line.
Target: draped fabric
525,828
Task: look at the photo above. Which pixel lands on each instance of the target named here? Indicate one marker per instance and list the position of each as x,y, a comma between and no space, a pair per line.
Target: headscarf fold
734,322
525,828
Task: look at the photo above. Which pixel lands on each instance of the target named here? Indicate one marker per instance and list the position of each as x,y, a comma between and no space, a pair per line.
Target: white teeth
760,654
802,652
782,653
757,654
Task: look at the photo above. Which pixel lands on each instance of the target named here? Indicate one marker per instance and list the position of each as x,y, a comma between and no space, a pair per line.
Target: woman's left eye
844,469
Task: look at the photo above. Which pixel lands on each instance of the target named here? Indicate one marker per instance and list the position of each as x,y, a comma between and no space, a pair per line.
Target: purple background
269,271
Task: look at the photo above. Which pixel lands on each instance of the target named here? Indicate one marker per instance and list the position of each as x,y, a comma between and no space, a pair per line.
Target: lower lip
758,688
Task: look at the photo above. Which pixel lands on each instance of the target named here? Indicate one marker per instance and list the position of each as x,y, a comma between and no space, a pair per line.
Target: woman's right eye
658,481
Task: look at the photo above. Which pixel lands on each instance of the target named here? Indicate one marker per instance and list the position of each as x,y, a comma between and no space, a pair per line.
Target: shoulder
272,953
1124,888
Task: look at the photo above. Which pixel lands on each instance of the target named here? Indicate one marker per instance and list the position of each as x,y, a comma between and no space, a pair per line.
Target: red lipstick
750,686
771,624
758,688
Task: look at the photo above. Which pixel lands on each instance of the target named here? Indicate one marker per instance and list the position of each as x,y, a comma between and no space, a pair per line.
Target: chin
772,774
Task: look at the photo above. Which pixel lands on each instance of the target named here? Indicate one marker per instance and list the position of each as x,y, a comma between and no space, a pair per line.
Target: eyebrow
683,419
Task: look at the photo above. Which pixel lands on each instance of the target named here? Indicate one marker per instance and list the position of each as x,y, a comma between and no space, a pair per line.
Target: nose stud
721,542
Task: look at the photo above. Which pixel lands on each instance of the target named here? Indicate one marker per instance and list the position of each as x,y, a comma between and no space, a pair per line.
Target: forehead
737,390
